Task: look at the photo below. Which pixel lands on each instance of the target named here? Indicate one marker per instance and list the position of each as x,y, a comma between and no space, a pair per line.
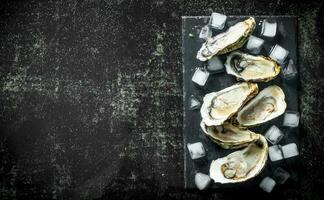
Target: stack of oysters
227,114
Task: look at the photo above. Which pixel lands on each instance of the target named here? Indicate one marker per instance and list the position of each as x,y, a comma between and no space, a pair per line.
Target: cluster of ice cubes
217,21
277,52
278,152
274,135
197,151
200,77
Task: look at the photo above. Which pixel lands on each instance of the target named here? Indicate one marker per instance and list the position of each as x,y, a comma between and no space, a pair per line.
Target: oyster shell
240,165
232,39
229,136
268,104
251,68
220,106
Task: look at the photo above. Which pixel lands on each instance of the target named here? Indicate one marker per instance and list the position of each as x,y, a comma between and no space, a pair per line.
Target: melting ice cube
291,119
267,184
194,103
280,175
202,180
274,134
290,150
290,71
196,150
275,153
279,54
269,29
215,65
217,20
205,32
200,77
254,44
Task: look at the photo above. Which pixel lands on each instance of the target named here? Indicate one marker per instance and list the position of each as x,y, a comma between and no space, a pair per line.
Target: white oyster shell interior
221,105
240,165
268,104
251,68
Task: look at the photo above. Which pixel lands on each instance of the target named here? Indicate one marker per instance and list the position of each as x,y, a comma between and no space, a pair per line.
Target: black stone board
287,38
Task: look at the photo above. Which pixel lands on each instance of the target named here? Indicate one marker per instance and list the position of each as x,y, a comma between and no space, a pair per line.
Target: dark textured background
91,97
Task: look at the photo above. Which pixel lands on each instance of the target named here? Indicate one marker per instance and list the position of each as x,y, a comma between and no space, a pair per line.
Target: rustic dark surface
91,97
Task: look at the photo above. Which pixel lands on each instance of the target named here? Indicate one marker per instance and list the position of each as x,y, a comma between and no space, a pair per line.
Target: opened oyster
229,136
220,106
251,68
240,165
268,104
232,39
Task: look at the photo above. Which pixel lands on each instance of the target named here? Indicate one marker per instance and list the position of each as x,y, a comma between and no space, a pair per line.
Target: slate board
286,37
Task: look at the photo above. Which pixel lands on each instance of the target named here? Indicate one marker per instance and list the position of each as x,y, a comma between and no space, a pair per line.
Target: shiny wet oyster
220,106
232,39
241,165
229,136
251,68
268,104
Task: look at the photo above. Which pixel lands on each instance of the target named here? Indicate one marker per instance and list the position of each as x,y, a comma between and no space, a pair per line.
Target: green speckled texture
91,97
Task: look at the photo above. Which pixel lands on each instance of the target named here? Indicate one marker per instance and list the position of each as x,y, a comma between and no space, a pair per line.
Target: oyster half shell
251,68
232,39
220,106
240,165
268,104
229,136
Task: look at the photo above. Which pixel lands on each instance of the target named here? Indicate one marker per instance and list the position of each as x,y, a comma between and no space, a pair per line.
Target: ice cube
290,150
202,180
290,71
215,65
217,20
280,175
194,103
291,119
267,184
275,153
269,29
274,134
254,44
200,76
205,32
196,150
279,54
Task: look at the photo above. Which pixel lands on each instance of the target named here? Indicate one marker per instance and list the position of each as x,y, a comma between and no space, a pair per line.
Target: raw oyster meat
232,39
220,106
240,165
268,104
251,68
